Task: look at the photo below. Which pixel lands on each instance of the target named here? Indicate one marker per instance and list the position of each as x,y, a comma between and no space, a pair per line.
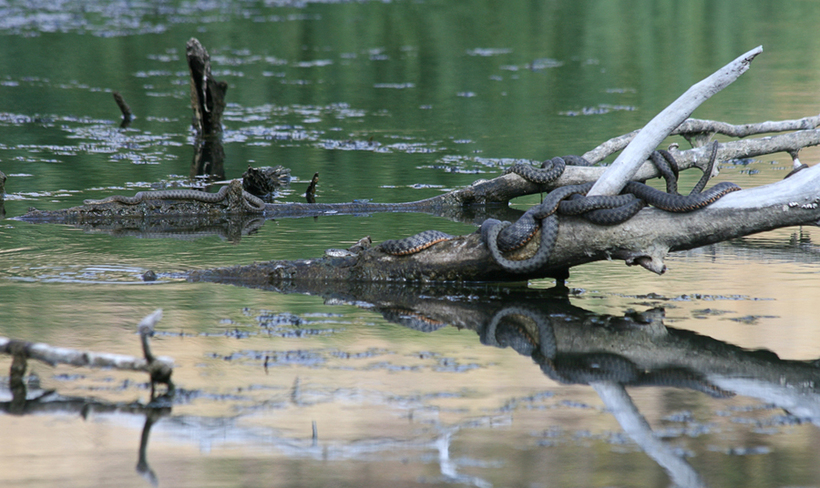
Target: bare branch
644,239
695,126
647,140
159,368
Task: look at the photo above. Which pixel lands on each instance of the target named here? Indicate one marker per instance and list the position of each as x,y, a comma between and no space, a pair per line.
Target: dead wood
207,94
310,193
637,151
159,368
645,239
124,109
691,128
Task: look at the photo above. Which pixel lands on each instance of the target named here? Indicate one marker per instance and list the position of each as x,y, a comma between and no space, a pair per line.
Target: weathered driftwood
159,368
644,239
637,151
497,191
694,131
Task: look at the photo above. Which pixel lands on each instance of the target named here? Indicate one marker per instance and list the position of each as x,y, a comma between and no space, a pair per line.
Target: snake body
501,237
414,244
602,210
249,201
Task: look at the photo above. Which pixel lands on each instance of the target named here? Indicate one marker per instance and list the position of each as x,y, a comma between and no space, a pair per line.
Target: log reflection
609,353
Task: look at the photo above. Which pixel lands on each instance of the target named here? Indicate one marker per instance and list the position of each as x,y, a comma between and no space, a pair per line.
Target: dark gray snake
249,202
602,210
503,237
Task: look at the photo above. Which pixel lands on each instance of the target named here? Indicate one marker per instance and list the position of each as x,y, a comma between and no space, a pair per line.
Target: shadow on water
568,344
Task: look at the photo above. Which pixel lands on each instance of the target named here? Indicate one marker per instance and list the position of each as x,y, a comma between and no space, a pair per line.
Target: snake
249,201
502,237
415,243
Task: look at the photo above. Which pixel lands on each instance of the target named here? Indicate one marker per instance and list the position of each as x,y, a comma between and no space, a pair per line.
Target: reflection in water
568,344
227,227
52,403
575,346
209,159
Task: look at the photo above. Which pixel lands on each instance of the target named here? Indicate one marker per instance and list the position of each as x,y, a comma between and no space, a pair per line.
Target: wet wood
644,240
310,193
207,94
265,182
124,108
691,128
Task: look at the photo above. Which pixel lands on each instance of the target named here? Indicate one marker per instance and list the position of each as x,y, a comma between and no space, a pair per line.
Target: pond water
358,385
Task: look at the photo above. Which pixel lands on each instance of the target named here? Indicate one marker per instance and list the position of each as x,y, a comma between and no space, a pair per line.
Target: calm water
376,386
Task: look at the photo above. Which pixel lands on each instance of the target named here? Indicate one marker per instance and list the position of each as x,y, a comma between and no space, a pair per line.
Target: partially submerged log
495,192
158,368
644,239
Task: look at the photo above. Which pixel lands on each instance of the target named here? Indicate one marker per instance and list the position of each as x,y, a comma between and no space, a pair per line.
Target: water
369,386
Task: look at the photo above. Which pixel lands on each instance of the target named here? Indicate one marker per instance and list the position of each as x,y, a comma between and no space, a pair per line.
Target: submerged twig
124,108
310,194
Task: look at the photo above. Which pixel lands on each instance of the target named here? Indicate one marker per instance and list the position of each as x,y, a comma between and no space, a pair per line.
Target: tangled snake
250,202
501,237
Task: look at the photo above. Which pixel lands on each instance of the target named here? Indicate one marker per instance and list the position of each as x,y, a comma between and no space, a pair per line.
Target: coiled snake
501,237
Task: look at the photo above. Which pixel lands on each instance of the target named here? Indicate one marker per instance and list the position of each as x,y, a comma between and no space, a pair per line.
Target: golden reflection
295,411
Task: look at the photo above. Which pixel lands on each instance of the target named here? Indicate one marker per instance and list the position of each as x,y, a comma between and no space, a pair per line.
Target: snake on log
250,202
414,244
501,237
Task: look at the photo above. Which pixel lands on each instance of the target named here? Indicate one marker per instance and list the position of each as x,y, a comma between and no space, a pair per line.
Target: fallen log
645,239
494,192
